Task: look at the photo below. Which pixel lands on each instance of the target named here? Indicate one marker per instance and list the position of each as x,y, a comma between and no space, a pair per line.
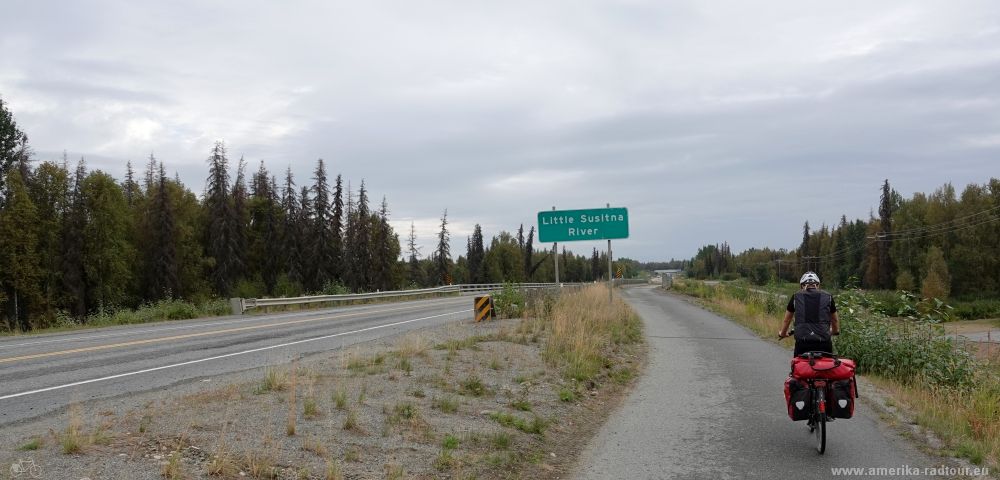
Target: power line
926,231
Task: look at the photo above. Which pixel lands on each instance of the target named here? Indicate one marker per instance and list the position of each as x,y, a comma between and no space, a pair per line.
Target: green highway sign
592,224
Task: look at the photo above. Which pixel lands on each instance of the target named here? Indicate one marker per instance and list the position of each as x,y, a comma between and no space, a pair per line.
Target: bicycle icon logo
25,469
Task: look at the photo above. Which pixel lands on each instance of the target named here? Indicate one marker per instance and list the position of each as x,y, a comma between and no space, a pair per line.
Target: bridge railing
241,305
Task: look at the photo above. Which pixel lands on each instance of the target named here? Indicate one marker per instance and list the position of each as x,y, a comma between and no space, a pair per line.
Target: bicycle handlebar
792,333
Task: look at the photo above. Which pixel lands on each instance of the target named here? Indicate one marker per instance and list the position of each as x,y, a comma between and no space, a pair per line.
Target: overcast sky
710,121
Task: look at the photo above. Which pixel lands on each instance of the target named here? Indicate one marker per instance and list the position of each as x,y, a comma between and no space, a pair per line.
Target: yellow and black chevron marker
483,308
618,274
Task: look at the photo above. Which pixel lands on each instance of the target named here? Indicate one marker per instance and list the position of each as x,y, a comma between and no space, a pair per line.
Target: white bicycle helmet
809,277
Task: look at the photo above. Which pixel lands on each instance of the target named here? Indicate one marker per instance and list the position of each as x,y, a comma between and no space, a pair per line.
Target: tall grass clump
583,325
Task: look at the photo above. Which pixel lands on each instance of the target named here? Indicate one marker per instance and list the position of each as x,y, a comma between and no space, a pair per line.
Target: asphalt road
40,374
711,405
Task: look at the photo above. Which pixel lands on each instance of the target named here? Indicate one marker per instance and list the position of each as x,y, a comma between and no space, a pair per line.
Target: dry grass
33,444
351,421
222,463
968,421
310,407
352,455
73,439
583,325
413,344
292,410
446,404
172,469
750,316
339,398
333,471
259,464
315,446
275,380
394,472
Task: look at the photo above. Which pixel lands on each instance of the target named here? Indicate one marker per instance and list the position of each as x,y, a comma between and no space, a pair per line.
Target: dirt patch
458,401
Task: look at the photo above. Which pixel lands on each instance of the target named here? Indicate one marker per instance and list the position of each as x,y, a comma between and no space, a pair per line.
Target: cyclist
815,314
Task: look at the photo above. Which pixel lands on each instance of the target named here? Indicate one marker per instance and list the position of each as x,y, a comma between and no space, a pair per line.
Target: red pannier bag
798,398
840,398
828,368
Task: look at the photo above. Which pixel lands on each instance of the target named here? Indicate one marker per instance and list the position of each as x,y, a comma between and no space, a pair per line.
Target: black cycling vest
812,315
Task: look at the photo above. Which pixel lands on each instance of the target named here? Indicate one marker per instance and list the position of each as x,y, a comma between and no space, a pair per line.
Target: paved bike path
711,405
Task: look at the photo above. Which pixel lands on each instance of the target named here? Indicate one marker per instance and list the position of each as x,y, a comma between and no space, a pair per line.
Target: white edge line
191,362
168,328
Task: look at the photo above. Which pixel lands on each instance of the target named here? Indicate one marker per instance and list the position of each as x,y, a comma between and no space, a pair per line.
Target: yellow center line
189,335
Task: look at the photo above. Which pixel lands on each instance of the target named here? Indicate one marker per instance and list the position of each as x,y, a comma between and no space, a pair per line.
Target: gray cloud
722,121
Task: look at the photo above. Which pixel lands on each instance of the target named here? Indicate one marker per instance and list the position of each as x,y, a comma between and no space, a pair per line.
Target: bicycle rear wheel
820,432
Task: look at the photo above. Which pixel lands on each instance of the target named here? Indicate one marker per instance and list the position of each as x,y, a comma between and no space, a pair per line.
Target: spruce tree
322,229
337,231
885,211
307,264
416,273
265,260
220,218
129,186
805,256
527,252
595,265
386,249
163,283
149,183
475,254
290,239
442,256
273,262
73,275
360,260
239,223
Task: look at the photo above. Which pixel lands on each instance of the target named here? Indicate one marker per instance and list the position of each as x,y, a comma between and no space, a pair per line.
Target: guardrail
241,305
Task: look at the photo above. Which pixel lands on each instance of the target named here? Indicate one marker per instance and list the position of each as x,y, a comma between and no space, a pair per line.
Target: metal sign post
555,253
611,279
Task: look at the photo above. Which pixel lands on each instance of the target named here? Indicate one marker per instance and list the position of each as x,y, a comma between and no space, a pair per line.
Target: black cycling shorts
806,346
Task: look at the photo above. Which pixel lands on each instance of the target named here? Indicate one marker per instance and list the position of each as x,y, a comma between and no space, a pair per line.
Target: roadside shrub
249,288
977,309
335,288
214,308
509,302
473,385
909,350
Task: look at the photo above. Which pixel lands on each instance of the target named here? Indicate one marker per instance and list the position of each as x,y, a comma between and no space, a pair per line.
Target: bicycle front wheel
820,433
